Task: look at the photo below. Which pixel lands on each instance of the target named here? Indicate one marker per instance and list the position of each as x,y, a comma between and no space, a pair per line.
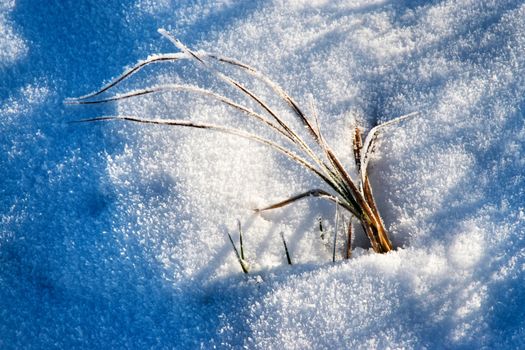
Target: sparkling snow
114,235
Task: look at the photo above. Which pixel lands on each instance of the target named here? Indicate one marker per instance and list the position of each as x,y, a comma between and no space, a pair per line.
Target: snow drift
115,234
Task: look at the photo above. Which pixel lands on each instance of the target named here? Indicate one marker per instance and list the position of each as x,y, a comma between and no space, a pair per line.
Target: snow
114,235
11,45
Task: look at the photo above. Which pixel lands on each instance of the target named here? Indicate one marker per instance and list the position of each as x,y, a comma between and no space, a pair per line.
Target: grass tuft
352,195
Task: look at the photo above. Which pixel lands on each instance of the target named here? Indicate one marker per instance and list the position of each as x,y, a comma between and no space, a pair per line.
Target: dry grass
354,195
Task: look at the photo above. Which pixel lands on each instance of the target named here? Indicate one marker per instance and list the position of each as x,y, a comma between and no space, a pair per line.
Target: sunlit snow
115,235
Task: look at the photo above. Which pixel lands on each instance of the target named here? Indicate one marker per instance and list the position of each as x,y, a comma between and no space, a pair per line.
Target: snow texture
12,46
114,235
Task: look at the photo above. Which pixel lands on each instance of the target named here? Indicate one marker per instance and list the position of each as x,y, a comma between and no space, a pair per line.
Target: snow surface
114,235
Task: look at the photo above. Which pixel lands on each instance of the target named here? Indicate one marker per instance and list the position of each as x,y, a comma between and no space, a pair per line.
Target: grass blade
183,87
358,145
321,230
140,65
349,233
275,87
288,258
312,193
335,229
240,238
368,145
242,262
240,133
